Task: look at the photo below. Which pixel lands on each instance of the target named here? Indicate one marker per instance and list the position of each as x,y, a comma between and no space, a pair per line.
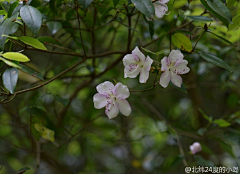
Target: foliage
54,53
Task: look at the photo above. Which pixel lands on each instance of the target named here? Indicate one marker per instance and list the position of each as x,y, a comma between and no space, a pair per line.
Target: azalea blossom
173,65
161,8
195,147
113,98
136,63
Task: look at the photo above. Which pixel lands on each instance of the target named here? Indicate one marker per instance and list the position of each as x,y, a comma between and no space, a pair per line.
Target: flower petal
137,52
131,73
160,10
106,87
165,79
144,74
182,68
124,107
175,57
176,79
112,110
128,59
147,63
122,91
132,68
192,149
164,63
100,100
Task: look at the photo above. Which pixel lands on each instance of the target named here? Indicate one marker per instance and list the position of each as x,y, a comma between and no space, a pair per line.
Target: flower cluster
113,98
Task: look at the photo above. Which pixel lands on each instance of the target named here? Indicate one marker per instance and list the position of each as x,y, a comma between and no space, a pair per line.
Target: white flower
113,98
160,8
173,65
136,63
195,147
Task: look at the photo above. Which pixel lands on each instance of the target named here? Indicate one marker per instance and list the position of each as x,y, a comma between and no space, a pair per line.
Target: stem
196,44
129,30
79,26
52,79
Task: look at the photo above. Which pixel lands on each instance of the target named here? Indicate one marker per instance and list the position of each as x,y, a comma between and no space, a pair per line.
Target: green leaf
220,37
32,17
216,61
22,170
46,39
202,162
129,27
145,6
105,13
232,136
222,123
6,28
160,52
85,3
157,53
69,14
12,7
178,159
32,42
9,63
31,72
200,18
54,27
230,3
45,132
52,5
10,78
205,116
3,12
1,64
183,31
227,147
61,100
11,37
148,51
16,56
183,87
218,9
151,28
5,5
115,2
182,42
236,22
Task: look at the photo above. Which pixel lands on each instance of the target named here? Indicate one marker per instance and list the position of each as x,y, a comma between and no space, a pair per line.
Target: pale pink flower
113,98
161,8
195,148
173,65
136,63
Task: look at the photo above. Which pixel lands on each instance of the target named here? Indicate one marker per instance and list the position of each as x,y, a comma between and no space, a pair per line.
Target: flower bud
195,147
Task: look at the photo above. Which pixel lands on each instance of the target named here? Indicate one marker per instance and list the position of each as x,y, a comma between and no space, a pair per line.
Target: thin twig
181,151
79,25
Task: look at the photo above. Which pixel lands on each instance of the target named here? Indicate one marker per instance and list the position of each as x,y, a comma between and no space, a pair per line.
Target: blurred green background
163,121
